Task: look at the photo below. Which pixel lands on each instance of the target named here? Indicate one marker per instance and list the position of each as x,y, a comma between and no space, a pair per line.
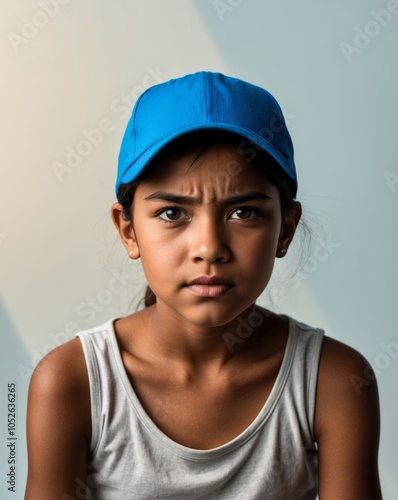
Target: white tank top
274,458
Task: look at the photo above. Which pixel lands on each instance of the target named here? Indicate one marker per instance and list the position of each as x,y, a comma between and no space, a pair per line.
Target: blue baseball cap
197,102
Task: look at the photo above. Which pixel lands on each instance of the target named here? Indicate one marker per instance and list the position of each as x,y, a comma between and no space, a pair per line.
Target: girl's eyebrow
188,200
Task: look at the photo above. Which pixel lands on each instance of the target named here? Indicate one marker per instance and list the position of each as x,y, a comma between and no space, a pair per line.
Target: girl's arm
347,425
58,425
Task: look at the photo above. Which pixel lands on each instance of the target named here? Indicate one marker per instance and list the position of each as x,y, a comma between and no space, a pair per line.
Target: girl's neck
194,349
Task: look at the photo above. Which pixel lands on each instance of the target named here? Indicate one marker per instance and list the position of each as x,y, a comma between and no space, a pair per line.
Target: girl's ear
126,231
289,226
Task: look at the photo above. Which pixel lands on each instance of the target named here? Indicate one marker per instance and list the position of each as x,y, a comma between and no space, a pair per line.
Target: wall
70,74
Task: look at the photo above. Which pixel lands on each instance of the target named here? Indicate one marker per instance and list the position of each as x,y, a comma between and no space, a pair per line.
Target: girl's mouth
208,290
209,286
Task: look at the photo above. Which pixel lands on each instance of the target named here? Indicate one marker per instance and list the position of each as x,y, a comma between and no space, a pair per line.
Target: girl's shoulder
61,379
58,423
347,423
343,367
63,366
346,381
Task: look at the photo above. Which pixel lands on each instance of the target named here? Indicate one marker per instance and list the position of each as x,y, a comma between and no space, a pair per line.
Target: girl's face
207,230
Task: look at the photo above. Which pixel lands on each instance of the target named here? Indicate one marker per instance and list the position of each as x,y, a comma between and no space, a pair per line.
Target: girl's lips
207,290
209,280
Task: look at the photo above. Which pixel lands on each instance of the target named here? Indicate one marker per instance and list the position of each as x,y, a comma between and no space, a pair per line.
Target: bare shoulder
62,372
345,380
344,372
347,423
58,423
60,379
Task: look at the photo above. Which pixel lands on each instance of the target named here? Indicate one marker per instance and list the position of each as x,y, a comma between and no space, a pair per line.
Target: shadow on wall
13,397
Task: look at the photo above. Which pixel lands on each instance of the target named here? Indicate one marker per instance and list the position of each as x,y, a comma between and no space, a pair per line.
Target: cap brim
143,161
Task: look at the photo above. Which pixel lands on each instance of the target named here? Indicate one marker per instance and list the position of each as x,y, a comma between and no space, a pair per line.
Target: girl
203,394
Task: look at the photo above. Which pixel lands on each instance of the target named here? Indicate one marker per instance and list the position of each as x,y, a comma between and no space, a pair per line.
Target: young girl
203,394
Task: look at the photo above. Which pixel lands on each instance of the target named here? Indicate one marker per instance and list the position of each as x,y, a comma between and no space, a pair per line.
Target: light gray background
57,245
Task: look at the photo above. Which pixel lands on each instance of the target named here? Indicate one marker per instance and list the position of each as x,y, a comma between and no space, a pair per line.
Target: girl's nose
209,242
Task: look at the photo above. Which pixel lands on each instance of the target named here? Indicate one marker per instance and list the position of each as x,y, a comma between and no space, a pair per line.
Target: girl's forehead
217,165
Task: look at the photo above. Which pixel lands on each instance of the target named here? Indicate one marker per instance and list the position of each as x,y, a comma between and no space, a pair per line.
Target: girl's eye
244,213
171,214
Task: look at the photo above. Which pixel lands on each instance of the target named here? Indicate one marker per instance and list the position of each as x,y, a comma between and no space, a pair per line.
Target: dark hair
204,139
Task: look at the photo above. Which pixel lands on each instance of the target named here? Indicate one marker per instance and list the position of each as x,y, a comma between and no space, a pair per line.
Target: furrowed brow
175,198
188,200
245,197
